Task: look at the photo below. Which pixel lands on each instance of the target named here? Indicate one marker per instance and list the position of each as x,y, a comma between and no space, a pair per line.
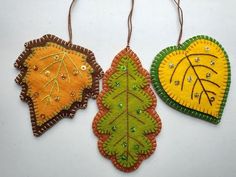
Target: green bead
120,105
135,87
124,157
113,128
133,129
117,84
123,68
136,147
139,111
124,144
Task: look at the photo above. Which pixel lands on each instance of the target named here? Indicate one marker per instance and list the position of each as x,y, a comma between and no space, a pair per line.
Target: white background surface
186,146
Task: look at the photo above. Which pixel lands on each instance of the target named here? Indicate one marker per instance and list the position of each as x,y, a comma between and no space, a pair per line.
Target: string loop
130,25
181,20
69,22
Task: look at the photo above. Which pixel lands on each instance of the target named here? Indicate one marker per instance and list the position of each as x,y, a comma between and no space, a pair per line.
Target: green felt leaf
128,121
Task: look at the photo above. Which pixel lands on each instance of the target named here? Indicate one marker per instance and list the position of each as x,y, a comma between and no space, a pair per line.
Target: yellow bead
47,73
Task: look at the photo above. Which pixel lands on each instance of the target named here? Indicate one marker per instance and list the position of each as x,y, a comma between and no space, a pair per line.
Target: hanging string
181,20
130,26
69,22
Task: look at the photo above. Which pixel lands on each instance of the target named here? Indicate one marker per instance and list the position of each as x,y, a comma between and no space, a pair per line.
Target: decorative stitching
87,92
122,68
174,101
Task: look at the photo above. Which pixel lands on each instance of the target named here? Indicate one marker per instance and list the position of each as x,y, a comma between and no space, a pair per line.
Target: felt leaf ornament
194,77
57,79
126,123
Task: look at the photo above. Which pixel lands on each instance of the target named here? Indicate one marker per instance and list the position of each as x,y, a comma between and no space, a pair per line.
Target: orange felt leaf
57,78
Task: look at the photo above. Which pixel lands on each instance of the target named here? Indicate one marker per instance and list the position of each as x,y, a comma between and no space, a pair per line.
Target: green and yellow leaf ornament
127,122
193,77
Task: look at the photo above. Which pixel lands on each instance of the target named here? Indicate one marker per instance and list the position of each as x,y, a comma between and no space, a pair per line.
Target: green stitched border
168,100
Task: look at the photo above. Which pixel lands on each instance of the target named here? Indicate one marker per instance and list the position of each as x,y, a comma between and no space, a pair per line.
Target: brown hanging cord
181,20
69,22
130,26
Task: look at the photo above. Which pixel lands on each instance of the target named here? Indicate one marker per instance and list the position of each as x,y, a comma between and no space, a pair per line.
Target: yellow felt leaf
197,76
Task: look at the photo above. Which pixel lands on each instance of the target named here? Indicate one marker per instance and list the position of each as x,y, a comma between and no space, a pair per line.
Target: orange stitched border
87,93
103,110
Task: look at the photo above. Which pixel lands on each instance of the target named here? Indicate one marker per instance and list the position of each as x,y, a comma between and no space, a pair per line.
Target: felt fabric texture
57,78
126,123
194,77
